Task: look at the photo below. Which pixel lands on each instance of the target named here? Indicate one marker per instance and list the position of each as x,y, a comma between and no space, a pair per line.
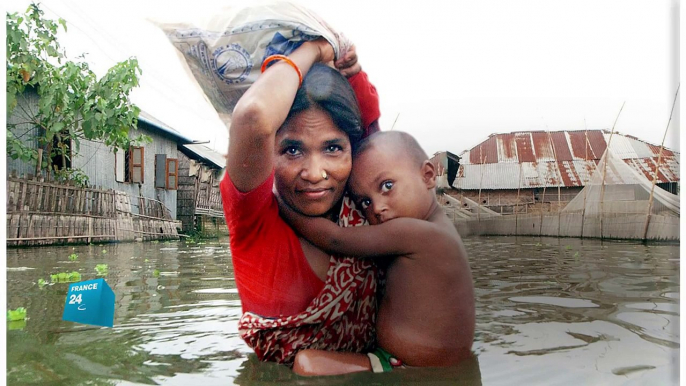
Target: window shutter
172,173
119,165
137,164
160,170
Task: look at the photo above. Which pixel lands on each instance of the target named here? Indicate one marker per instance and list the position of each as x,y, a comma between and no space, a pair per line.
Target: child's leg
319,362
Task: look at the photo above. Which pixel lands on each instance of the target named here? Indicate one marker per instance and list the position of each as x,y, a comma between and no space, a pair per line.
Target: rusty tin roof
536,159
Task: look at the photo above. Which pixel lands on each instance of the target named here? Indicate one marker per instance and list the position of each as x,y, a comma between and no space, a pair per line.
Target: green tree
73,103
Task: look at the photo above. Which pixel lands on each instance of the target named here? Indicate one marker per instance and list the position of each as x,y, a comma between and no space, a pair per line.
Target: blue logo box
90,302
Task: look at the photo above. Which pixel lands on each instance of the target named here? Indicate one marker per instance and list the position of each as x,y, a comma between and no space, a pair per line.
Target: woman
297,139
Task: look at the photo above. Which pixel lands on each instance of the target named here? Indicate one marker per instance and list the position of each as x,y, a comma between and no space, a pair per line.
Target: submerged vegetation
16,315
65,277
101,269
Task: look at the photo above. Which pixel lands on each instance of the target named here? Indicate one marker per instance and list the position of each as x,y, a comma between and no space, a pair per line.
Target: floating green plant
42,283
65,277
539,245
156,273
155,241
73,257
568,247
16,325
16,315
101,269
104,251
146,260
576,254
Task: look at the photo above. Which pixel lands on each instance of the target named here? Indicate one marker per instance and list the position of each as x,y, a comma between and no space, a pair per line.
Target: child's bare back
426,317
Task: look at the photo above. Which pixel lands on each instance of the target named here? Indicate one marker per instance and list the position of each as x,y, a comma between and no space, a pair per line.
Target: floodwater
549,311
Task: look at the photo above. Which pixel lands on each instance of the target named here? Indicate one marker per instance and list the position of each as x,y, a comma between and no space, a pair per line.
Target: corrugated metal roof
551,159
561,146
156,123
525,150
641,148
543,148
598,144
207,154
485,152
507,148
621,147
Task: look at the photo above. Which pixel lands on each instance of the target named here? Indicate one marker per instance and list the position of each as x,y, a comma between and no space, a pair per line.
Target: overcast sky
450,72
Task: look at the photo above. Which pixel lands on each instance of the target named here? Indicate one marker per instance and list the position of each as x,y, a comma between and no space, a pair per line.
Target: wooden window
172,172
135,164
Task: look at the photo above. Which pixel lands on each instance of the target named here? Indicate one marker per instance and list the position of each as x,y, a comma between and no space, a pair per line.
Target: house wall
440,162
199,206
27,106
95,159
618,226
186,195
98,162
510,201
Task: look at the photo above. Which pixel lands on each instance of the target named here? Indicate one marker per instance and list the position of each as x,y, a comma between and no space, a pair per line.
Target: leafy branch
73,103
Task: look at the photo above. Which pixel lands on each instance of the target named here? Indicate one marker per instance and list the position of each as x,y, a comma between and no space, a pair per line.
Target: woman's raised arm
262,110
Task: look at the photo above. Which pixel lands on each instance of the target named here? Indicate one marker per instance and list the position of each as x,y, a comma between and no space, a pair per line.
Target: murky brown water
549,311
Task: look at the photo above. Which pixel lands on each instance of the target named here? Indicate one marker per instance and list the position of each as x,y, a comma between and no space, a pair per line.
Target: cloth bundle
225,55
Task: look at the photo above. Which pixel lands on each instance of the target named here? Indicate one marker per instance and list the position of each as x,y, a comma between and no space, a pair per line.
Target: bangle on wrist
286,59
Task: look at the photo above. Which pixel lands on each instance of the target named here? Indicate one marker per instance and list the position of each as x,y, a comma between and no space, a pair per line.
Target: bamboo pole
55,237
583,209
602,186
545,185
657,168
519,186
550,138
38,162
90,229
395,121
117,231
478,202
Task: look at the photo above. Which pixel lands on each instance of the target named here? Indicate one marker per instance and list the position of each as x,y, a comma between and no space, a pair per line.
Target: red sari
341,318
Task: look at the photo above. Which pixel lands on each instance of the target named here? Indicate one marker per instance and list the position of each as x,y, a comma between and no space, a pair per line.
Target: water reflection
549,311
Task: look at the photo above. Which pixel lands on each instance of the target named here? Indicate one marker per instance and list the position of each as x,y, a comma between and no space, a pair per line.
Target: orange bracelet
287,60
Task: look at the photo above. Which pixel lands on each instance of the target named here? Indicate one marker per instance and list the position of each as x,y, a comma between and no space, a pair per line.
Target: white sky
452,72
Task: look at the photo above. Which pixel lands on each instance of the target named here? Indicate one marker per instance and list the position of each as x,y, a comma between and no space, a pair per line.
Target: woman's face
307,145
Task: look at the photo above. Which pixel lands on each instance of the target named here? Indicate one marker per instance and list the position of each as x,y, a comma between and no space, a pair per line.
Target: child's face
387,184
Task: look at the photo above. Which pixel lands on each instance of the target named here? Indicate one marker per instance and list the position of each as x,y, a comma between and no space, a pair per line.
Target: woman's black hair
327,89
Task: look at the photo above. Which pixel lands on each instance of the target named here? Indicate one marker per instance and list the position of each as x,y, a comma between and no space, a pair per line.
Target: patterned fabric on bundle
341,318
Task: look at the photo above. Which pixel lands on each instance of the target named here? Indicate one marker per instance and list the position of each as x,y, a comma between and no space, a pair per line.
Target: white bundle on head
225,55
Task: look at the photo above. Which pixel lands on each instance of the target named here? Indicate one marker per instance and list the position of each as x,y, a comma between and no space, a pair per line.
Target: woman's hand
326,52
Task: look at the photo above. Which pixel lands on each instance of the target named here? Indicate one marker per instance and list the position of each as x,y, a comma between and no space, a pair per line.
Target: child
426,316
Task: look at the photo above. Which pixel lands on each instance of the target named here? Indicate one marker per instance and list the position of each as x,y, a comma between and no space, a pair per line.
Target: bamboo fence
41,213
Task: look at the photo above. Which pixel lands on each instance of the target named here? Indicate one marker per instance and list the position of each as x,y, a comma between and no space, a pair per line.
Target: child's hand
348,65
